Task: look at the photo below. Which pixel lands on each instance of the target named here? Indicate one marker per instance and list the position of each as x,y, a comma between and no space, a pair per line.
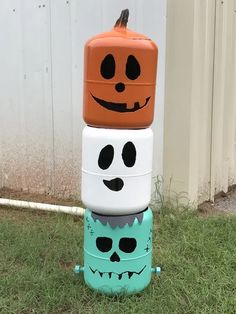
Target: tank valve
156,270
78,269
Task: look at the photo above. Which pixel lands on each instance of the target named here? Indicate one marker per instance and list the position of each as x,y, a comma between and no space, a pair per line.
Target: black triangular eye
104,244
106,157
127,245
129,154
108,67
132,68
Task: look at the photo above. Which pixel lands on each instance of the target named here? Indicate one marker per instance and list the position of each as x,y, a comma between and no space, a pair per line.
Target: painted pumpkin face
119,80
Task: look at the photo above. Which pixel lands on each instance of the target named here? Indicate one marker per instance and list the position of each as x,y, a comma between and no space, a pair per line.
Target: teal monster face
118,258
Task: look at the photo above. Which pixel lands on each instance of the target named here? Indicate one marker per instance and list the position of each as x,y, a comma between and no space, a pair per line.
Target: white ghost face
105,160
116,170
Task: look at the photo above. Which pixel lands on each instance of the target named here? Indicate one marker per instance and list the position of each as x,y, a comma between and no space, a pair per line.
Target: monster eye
129,154
132,68
104,244
127,245
108,66
106,157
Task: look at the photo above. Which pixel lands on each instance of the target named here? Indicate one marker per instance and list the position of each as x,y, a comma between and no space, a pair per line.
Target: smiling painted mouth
114,185
119,275
120,107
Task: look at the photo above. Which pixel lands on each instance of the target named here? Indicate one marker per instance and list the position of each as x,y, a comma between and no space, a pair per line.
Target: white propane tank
116,170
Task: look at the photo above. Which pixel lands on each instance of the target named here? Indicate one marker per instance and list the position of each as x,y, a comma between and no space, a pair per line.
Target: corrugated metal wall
41,62
223,158
200,104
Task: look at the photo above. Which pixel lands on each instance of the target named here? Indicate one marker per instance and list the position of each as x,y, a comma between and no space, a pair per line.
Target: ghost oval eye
127,245
106,157
129,154
104,244
132,68
108,66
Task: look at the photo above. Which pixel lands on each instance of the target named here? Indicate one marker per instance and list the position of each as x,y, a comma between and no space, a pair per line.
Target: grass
38,251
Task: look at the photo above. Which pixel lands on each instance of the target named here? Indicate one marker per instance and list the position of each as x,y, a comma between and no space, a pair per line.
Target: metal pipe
156,270
42,206
78,269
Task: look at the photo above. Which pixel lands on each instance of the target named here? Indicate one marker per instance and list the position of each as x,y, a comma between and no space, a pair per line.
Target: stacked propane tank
119,94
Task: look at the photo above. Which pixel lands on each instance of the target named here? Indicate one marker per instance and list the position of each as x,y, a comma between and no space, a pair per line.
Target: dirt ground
224,202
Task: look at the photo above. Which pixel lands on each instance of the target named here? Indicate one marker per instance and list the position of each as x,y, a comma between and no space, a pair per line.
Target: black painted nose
115,257
120,87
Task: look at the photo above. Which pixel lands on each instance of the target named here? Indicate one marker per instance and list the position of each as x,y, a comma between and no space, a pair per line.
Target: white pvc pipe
42,206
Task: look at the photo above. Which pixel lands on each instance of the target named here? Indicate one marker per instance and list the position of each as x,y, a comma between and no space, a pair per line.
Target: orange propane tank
119,78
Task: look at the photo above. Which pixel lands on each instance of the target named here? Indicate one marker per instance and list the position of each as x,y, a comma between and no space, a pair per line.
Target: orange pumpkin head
119,78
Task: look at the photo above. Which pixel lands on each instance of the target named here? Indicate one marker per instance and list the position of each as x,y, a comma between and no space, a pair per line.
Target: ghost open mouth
119,275
114,185
120,107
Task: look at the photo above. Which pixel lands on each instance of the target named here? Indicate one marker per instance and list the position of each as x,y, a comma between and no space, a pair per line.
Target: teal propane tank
117,252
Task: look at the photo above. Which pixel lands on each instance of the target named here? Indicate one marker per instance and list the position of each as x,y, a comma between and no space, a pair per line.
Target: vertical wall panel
233,174
11,96
229,97
223,124
218,107
200,121
179,57
62,95
37,110
201,100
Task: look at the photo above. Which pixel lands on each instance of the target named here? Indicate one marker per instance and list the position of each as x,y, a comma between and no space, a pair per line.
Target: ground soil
224,203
